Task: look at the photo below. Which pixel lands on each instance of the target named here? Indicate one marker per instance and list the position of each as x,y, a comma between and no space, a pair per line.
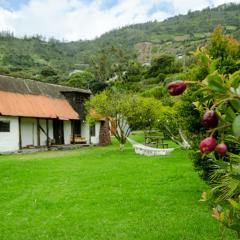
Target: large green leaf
236,126
203,58
235,104
230,114
213,66
215,83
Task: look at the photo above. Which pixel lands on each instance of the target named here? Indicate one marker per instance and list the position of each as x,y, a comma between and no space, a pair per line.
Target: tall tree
125,111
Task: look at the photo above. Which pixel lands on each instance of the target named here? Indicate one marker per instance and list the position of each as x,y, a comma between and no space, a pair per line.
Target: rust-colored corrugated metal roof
26,105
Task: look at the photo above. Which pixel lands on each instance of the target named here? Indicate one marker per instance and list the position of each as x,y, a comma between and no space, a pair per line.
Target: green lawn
101,193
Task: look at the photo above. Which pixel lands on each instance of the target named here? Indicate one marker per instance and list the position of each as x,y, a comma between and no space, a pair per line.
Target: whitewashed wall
9,141
43,137
67,131
85,131
95,140
28,131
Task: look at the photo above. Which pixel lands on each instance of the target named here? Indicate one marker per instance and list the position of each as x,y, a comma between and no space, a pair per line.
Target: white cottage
37,114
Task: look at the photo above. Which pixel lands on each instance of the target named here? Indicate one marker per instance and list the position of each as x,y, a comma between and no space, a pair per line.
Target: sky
72,20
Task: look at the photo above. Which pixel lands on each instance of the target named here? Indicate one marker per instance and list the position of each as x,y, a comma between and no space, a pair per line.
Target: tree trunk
182,142
185,144
121,147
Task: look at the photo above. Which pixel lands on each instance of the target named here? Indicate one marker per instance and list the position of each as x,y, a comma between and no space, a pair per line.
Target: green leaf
230,114
235,176
235,79
236,126
234,204
215,83
213,66
204,58
235,104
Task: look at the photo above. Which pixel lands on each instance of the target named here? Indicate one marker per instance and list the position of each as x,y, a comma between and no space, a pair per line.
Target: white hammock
149,151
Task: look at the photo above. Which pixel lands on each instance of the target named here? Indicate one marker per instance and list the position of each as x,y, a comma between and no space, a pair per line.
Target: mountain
54,60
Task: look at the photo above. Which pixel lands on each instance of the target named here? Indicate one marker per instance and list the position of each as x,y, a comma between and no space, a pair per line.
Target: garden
113,193
198,109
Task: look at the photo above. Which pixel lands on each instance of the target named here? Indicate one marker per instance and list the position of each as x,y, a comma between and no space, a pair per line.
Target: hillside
179,34
54,60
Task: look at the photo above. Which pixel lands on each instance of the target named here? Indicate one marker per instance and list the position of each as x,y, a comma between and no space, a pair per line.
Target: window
4,126
93,131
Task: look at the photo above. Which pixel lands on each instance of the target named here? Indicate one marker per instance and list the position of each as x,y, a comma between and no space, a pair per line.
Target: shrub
156,92
221,93
150,81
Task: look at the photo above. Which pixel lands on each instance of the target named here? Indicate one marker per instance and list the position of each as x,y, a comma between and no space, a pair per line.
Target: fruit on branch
221,149
176,88
207,145
210,119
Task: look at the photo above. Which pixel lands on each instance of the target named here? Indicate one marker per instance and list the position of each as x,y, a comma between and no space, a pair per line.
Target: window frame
4,126
93,130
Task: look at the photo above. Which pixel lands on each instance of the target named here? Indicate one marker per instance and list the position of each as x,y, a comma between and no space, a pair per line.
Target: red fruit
207,145
221,149
210,119
176,88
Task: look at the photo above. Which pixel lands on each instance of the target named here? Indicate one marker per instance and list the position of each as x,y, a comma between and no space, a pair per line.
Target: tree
80,79
48,71
100,67
18,59
174,123
125,112
220,110
222,96
226,50
133,72
146,113
163,64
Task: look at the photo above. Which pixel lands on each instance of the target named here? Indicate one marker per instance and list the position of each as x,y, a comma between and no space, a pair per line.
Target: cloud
6,20
75,19
184,6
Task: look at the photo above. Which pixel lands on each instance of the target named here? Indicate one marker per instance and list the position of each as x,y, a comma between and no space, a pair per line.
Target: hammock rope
149,151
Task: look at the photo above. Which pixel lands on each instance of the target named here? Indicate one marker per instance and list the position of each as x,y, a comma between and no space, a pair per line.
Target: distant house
37,114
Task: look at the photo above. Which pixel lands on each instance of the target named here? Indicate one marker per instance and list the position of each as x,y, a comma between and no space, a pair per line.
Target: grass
101,193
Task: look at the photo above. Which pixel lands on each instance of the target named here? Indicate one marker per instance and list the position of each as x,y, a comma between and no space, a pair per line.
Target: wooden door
58,131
